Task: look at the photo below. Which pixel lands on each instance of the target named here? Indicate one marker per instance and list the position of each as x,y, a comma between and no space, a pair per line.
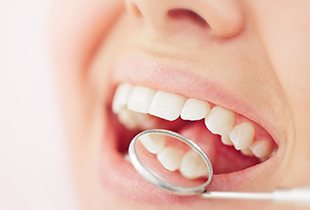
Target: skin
268,40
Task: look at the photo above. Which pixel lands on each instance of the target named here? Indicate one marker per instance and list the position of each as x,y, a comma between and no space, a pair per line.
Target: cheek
78,26
285,33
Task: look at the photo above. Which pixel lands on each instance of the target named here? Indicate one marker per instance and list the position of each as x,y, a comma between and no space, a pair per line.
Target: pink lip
118,174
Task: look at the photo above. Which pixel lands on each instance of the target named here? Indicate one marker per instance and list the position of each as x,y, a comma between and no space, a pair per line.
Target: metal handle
297,195
238,195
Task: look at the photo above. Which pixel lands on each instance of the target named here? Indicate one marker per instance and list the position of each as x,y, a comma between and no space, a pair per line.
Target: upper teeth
242,135
166,105
220,120
195,109
170,106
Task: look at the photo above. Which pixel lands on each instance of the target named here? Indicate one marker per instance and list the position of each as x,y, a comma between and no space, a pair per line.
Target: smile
238,146
135,106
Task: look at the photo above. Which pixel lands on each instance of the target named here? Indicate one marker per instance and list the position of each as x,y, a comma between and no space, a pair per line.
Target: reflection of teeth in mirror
170,158
153,143
192,166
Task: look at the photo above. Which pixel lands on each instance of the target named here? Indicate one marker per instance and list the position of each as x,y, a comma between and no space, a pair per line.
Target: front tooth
195,109
226,140
140,99
261,148
126,117
166,105
153,143
192,166
121,97
170,158
242,135
220,120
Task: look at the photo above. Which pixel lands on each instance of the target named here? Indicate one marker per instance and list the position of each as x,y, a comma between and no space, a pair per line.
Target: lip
119,175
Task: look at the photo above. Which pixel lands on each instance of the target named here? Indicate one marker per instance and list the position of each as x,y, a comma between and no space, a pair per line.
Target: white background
33,171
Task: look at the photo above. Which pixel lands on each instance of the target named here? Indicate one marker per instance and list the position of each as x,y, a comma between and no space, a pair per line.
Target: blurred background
34,172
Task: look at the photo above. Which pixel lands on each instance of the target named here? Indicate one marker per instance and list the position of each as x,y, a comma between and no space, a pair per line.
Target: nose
223,18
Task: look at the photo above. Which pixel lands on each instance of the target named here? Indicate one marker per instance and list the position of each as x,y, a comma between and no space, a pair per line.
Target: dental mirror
175,163
171,161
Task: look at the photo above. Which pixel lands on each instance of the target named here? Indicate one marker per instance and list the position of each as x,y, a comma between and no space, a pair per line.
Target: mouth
239,147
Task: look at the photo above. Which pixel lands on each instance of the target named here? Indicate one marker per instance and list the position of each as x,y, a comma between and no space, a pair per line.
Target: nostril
188,15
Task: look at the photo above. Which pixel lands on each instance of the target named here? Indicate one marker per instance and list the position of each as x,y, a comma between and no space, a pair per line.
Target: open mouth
238,147
232,141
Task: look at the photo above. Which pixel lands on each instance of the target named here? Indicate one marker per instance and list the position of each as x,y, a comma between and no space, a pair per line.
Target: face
231,75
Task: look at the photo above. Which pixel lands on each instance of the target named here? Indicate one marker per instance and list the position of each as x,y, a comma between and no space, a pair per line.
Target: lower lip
118,175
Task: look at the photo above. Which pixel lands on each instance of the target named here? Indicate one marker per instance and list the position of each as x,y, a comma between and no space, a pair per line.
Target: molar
261,148
242,135
247,152
225,139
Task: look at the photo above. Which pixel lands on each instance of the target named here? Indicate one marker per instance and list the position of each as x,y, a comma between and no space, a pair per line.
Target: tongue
224,158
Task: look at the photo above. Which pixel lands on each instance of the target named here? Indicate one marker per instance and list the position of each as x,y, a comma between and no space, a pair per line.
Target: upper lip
156,73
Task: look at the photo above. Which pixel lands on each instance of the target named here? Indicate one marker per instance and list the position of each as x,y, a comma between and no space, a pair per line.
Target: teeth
220,120
192,166
121,97
144,121
140,99
127,158
226,140
134,106
194,109
261,148
133,120
153,143
126,117
247,152
170,158
242,135
166,105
